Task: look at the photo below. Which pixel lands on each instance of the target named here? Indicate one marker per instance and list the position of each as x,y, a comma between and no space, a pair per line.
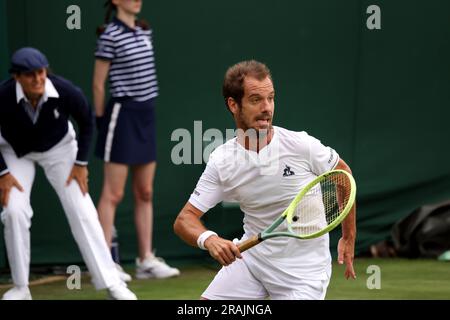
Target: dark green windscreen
381,98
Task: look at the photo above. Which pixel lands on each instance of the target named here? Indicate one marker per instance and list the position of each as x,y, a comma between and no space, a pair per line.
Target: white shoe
17,293
125,277
153,267
120,292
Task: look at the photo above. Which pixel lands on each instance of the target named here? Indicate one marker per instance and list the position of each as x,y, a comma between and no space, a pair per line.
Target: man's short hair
233,84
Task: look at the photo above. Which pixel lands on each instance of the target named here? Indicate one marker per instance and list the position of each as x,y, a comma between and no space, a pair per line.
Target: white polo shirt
264,184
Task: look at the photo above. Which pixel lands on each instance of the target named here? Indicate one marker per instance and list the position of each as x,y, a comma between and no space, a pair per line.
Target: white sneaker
17,293
120,292
153,267
125,277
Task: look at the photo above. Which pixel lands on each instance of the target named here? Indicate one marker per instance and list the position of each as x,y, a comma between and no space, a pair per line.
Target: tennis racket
317,209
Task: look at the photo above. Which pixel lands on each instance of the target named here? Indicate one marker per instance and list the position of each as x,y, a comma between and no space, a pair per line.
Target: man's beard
252,132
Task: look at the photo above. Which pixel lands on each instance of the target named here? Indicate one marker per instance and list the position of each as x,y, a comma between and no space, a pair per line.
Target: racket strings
322,205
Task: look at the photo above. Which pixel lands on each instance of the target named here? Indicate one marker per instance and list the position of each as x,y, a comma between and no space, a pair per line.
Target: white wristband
202,238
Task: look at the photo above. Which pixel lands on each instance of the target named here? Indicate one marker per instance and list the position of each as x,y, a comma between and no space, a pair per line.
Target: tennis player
262,169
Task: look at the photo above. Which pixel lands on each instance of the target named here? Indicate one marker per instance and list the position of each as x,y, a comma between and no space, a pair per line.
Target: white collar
49,92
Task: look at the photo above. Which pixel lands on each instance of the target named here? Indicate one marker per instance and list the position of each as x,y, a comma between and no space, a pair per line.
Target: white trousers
80,212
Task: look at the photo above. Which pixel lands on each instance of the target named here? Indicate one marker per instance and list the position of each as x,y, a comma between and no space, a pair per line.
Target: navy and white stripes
132,72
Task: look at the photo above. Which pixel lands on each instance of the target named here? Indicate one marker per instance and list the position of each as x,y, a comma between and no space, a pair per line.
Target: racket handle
247,244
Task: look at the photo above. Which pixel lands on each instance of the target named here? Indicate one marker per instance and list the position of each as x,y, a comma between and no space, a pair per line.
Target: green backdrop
379,97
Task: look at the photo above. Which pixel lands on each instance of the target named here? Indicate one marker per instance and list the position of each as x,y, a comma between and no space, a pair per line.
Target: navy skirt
127,132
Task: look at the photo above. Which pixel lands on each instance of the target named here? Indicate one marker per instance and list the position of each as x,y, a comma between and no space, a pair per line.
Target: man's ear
232,105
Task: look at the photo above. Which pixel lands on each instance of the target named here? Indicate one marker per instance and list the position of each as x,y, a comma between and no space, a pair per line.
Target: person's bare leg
143,176
115,176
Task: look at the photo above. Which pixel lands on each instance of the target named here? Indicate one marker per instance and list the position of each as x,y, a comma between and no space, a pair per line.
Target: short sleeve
321,158
208,191
105,47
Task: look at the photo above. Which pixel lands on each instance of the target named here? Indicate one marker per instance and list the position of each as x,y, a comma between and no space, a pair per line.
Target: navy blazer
24,136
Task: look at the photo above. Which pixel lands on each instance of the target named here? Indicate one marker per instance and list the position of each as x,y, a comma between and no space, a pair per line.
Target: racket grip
250,242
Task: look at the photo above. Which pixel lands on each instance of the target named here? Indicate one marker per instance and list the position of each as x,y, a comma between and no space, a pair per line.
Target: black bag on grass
424,233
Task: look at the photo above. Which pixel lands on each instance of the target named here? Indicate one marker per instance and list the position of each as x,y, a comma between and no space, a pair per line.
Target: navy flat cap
27,59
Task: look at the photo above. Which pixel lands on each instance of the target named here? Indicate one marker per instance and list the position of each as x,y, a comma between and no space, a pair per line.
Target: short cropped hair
233,83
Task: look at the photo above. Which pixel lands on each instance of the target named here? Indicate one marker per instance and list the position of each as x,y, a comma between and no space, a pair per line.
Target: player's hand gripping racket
317,209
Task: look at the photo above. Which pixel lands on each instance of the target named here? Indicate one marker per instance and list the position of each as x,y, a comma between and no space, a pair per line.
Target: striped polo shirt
132,72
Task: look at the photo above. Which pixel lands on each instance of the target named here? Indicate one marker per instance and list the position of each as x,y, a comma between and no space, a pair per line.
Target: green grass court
400,279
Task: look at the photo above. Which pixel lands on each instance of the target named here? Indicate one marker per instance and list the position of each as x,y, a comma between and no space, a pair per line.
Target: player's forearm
188,227
349,224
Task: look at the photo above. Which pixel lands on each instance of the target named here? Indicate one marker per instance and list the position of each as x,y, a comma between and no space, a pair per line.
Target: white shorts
243,280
